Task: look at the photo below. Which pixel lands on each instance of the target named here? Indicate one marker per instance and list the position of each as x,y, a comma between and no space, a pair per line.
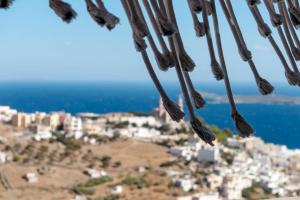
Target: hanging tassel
161,60
265,31
100,15
95,13
294,13
5,4
242,126
63,10
264,86
172,108
195,5
139,27
204,133
186,61
289,31
166,27
292,77
198,26
215,66
110,19
199,101
168,56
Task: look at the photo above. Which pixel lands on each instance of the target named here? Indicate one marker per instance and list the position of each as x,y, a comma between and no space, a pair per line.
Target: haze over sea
277,124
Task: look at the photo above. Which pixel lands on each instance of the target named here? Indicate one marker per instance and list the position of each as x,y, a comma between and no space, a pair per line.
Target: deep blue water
278,124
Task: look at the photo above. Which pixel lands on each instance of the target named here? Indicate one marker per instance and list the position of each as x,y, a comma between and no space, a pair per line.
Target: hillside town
136,156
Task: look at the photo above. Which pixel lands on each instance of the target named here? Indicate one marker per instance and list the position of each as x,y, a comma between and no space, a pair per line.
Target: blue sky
38,46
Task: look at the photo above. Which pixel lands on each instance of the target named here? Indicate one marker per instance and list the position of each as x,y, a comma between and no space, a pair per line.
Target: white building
6,113
233,185
2,157
183,152
201,196
139,132
208,154
31,178
118,189
186,184
80,197
73,127
215,181
93,173
162,115
43,135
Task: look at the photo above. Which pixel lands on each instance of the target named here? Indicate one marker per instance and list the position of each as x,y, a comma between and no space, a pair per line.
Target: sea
274,123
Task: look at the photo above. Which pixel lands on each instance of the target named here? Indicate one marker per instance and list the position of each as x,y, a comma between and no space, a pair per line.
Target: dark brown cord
196,96
194,9
264,86
266,32
276,19
294,49
215,66
155,24
185,60
172,108
204,133
243,127
161,60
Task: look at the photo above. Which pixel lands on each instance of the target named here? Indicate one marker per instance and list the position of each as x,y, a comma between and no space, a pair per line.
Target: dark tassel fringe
296,53
295,15
111,19
253,2
216,70
95,13
186,61
101,16
166,27
292,77
199,101
63,10
200,29
208,7
162,61
264,86
171,60
5,4
244,129
139,43
173,109
204,133
139,27
196,6
295,21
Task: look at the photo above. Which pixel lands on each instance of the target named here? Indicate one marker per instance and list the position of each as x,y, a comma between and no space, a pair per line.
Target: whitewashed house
43,135
118,189
73,127
3,157
208,155
31,178
80,197
201,196
93,173
186,184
